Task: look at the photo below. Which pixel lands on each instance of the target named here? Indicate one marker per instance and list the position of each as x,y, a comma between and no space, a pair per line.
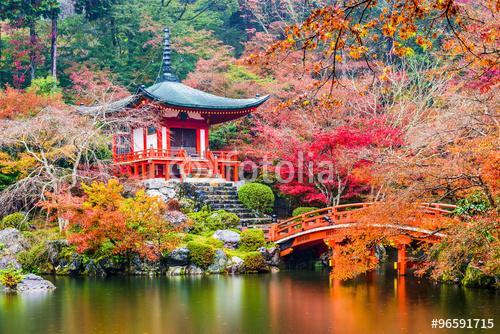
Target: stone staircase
224,196
201,169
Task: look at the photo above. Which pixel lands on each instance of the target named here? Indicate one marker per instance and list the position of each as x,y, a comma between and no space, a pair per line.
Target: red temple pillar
152,170
223,171
235,172
167,171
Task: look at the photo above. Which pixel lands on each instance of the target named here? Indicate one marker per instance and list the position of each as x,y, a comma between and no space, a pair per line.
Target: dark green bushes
201,255
257,196
252,239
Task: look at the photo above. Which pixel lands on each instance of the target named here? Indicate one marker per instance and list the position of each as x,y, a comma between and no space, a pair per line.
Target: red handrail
146,154
226,155
337,214
213,162
154,153
186,162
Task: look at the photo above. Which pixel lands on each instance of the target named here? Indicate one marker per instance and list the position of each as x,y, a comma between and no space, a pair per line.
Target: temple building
178,147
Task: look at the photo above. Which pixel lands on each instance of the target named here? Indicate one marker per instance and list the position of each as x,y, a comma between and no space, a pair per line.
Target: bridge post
334,244
272,232
401,242
402,260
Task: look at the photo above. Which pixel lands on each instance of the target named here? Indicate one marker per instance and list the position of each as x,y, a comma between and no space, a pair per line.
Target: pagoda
178,146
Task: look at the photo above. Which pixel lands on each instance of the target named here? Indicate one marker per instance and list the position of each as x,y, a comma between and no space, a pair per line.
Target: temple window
151,130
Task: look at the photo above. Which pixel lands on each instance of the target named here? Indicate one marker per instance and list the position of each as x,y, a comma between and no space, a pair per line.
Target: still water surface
287,302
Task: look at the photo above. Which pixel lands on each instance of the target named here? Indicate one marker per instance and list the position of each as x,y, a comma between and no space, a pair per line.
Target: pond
286,302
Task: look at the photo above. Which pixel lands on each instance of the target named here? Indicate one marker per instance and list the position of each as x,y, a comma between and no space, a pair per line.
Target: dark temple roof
176,94
168,91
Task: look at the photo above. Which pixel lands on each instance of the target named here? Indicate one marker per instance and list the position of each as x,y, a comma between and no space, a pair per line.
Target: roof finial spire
167,74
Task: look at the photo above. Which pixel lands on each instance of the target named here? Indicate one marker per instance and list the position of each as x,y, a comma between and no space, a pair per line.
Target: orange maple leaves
103,222
354,28
17,103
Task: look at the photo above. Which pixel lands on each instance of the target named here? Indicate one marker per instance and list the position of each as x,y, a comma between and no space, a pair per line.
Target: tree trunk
53,46
33,51
113,31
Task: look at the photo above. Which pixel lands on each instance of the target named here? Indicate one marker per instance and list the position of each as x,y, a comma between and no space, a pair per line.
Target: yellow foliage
357,52
103,195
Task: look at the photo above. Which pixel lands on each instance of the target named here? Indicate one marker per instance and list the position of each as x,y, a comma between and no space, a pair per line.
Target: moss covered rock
17,220
205,220
476,278
201,255
252,239
255,263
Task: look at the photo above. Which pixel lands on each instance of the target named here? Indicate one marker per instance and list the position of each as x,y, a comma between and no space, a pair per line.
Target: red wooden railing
151,153
163,154
226,155
215,161
340,214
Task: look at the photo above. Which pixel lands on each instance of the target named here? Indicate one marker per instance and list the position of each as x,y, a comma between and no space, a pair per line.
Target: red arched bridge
324,225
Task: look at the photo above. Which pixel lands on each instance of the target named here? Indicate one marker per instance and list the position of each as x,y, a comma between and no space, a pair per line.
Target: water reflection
295,302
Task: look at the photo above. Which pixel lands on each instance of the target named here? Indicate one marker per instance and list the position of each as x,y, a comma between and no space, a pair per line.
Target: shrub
201,255
199,221
257,196
173,205
221,219
47,86
254,262
472,205
187,205
476,278
303,209
17,220
205,221
35,259
252,239
10,277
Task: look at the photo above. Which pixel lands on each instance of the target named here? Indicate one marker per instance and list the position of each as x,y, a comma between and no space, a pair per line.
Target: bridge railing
340,214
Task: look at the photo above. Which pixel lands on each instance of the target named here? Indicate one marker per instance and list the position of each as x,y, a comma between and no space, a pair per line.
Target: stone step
221,192
227,206
201,172
254,221
216,190
244,215
224,196
237,211
224,186
226,201
220,198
